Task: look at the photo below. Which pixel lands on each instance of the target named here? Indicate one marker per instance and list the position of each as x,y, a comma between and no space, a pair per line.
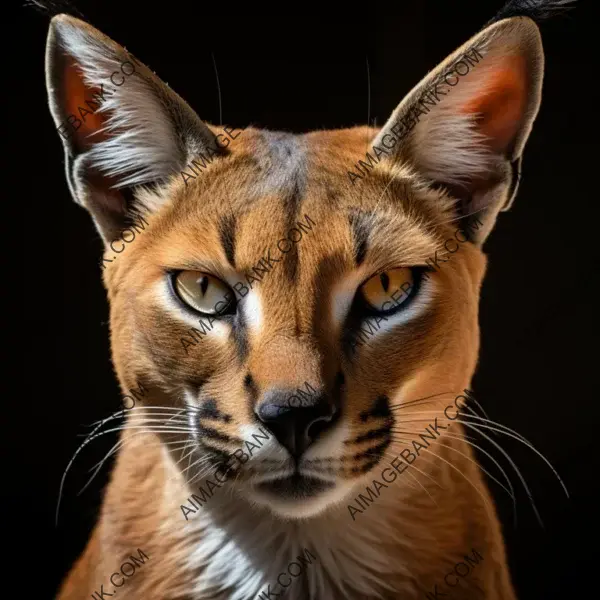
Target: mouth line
295,486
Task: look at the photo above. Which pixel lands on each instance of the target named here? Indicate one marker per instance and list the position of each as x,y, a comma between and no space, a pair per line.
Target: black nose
296,424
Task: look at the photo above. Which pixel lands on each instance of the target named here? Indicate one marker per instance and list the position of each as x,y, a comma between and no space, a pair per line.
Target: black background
299,70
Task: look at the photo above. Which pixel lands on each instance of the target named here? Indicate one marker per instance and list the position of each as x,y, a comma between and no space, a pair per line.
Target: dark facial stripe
361,228
367,467
380,408
289,154
250,386
197,382
374,434
209,410
213,434
239,332
219,458
376,452
227,236
290,261
339,391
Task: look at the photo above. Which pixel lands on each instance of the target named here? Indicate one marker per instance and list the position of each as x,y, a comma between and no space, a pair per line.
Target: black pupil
385,281
203,282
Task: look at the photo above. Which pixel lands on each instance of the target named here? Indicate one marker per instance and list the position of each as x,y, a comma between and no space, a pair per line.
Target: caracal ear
120,125
465,125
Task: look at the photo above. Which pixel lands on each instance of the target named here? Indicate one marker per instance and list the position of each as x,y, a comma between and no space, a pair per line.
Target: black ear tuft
55,7
537,10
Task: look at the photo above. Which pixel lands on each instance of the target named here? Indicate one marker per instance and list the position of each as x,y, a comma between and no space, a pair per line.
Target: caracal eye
203,292
391,287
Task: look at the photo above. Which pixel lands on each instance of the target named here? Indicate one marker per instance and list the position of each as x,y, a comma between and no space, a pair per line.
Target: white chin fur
300,508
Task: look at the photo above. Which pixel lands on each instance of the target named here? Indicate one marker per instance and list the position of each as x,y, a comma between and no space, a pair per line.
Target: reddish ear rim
501,107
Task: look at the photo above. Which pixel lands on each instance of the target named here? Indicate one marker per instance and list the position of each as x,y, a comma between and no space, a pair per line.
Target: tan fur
139,511
430,518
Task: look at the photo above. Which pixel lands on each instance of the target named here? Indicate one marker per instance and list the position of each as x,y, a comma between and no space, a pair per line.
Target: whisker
114,449
193,447
136,419
151,429
190,454
513,465
81,447
402,420
471,398
92,435
478,465
426,474
465,215
527,443
503,427
210,470
387,455
411,402
218,88
368,100
423,488
402,431
172,431
423,412
123,411
466,439
203,458
461,473
99,465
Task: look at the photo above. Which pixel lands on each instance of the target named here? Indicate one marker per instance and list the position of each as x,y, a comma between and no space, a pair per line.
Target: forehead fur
270,180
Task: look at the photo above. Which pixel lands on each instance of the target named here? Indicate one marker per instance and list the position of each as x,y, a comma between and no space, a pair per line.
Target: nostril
270,412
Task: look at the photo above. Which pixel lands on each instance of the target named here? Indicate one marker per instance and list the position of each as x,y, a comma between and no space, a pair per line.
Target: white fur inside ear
447,118
446,143
142,146
449,149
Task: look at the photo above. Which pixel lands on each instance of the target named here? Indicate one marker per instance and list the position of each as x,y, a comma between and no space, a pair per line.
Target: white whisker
461,473
466,439
527,443
513,465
